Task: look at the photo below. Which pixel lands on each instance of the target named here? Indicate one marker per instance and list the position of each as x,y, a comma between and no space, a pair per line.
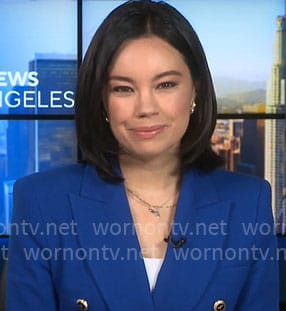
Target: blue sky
28,27
237,35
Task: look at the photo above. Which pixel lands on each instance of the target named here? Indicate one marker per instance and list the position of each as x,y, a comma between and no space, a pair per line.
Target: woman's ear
104,105
105,112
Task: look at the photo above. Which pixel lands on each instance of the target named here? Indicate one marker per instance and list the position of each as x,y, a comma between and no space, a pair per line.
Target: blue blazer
72,237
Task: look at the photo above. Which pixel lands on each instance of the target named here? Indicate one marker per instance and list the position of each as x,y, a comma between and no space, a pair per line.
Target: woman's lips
148,132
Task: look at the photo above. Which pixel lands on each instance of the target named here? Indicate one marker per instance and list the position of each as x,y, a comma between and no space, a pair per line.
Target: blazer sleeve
261,289
29,284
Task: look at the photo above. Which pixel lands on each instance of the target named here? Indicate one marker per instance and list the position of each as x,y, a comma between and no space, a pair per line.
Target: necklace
152,208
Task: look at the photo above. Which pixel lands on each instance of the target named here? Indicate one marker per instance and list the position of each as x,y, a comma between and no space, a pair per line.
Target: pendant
154,211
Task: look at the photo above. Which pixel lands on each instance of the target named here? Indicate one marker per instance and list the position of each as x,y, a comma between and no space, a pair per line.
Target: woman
148,222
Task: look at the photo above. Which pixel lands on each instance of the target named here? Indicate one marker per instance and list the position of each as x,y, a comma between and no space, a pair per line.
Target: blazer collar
119,271
95,188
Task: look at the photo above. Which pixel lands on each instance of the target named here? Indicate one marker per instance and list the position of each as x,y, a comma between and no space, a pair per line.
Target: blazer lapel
106,232
186,271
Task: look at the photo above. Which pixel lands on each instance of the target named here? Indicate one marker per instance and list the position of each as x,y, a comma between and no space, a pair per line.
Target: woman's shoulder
236,183
65,178
227,177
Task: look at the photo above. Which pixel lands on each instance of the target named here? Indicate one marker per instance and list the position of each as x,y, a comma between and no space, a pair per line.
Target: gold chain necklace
152,208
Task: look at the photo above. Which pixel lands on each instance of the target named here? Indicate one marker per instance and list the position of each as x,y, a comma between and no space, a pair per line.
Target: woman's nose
147,105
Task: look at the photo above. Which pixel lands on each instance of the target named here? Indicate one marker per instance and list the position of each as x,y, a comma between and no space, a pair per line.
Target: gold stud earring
193,106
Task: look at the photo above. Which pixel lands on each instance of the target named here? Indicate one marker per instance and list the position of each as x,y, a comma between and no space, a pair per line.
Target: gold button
82,304
219,305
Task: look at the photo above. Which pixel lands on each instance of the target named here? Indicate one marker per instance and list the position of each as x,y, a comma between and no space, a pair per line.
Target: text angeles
26,92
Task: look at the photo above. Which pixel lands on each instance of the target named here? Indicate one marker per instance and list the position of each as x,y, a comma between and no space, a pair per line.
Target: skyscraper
252,148
55,140
275,130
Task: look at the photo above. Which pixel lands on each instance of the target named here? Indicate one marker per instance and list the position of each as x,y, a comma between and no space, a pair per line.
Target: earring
106,119
193,106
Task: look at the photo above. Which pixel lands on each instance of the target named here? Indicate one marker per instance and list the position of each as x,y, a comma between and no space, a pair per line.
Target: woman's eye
122,89
166,85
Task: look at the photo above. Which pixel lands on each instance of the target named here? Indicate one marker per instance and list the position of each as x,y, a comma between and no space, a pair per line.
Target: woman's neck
162,173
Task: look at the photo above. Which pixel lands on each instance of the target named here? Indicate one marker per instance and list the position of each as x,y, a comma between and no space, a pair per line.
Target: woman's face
149,98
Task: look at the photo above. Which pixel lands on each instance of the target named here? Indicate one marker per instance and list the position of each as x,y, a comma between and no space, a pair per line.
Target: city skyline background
237,35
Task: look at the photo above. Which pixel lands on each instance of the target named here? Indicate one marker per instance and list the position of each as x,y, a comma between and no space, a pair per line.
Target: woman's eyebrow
121,78
157,77
168,73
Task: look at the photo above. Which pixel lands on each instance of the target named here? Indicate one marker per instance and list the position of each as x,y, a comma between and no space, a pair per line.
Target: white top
153,266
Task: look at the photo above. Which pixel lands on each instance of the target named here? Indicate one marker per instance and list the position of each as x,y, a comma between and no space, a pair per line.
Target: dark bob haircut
132,20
